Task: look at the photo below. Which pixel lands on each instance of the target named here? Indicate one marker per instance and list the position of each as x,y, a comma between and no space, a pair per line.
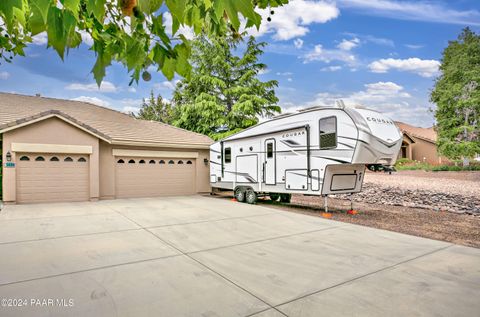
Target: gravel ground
456,183
450,191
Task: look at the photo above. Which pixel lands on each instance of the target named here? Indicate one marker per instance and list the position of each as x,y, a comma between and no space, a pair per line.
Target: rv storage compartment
343,178
296,179
246,168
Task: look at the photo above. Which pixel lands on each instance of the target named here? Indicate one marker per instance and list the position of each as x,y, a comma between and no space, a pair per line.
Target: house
419,144
63,150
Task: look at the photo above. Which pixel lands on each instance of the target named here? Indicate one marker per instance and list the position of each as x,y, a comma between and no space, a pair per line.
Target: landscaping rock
396,196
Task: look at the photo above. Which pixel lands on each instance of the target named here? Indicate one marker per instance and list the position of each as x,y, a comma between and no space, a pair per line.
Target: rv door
270,162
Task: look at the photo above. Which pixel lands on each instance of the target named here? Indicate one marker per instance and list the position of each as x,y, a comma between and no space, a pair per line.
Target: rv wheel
285,198
250,196
240,194
274,196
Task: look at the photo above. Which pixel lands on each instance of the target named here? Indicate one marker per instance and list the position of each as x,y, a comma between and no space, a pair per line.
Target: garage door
148,177
52,178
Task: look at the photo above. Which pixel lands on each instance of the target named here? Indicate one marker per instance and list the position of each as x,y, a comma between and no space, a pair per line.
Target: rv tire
240,194
274,196
285,198
250,196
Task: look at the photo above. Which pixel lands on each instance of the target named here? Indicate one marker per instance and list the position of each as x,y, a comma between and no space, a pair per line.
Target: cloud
292,20
132,89
426,11
289,79
186,31
382,89
4,75
347,45
387,97
106,86
328,55
86,38
130,109
264,71
331,68
170,85
298,43
131,105
94,100
424,68
372,39
284,73
414,47
40,39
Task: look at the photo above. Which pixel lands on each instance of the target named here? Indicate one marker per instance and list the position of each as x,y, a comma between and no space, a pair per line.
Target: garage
43,177
150,177
56,150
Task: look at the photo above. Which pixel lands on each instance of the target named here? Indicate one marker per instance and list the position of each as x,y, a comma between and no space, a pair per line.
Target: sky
380,54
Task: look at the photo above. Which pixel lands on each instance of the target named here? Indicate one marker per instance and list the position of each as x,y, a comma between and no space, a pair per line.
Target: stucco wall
203,172
49,131
422,149
107,167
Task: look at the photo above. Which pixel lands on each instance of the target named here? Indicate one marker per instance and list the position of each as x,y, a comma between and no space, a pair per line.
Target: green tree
155,109
131,32
457,96
223,94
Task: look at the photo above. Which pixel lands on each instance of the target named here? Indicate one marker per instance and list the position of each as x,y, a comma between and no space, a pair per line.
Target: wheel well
242,187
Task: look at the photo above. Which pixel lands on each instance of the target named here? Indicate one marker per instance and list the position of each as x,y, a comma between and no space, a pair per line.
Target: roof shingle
427,134
110,124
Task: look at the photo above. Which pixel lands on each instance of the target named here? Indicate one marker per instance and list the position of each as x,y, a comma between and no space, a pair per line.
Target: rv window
269,150
228,155
328,133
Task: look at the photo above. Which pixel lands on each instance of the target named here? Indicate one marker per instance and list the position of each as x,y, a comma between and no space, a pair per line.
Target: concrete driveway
202,256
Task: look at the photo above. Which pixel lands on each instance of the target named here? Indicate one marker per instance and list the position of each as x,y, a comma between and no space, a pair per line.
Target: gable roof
110,125
407,135
427,134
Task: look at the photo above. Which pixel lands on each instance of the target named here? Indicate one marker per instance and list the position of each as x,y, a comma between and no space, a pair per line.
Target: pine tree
155,109
224,94
457,96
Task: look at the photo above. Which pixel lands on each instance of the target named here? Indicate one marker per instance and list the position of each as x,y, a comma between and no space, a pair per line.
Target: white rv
317,151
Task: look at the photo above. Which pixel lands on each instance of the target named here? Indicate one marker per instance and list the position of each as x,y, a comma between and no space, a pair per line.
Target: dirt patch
460,229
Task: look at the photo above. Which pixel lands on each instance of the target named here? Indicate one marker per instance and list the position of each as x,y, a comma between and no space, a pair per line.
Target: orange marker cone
352,212
326,215
234,199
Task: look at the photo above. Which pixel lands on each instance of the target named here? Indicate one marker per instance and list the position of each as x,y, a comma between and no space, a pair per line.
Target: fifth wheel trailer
316,151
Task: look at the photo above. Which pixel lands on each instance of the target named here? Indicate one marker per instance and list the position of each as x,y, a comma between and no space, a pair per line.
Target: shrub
453,168
404,161
414,166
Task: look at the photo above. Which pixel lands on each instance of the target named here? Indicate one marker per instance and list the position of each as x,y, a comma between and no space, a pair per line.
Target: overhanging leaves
113,24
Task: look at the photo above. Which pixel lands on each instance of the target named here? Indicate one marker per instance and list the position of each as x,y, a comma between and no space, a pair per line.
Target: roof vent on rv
340,104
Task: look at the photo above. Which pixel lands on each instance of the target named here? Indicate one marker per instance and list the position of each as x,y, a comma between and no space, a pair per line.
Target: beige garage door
148,177
52,178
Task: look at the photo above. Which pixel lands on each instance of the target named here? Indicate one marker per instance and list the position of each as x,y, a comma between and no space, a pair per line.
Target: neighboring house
419,144
63,150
